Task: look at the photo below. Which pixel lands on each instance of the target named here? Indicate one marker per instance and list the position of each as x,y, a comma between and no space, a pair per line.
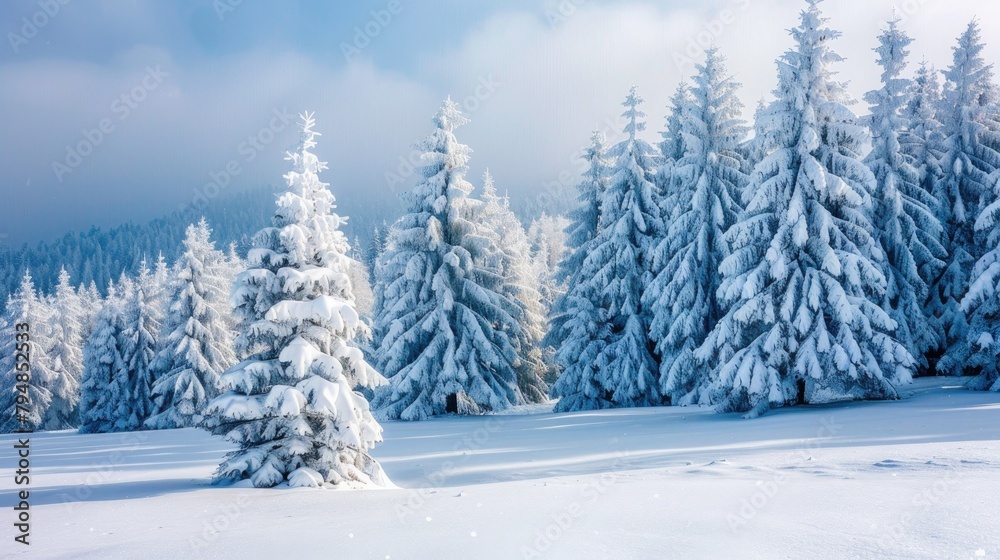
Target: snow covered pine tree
197,344
289,406
908,229
445,328
104,368
706,184
604,354
25,306
972,140
65,326
584,222
520,284
982,305
803,280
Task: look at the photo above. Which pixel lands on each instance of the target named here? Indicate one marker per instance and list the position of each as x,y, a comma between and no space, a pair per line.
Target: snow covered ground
917,478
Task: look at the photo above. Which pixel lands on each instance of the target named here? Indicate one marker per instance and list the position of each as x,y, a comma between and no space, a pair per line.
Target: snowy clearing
917,478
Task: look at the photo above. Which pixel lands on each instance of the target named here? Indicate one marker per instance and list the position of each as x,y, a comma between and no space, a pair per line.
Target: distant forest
99,255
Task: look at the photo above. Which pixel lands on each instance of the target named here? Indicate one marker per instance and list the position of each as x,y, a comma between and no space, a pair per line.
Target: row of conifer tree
826,256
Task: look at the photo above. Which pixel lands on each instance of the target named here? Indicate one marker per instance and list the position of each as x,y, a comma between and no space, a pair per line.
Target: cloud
533,86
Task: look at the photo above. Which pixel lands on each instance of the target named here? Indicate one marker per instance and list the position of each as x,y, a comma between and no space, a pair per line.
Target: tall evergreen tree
803,282
66,354
672,148
446,330
605,358
971,158
197,344
104,367
982,304
756,148
520,285
547,235
682,298
25,307
141,328
672,145
289,405
586,218
582,228
922,140
906,225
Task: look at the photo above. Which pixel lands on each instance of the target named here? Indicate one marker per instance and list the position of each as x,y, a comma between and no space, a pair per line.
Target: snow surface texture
915,478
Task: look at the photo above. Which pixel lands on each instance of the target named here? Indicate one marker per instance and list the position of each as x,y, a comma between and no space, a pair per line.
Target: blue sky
199,82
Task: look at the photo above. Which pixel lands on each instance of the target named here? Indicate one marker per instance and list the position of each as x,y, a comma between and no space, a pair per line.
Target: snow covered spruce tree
289,406
66,353
907,228
547,235
141,321
604,355
585,218
922,140
803,282
197,344
672,150
754,149
672,145
584,222
520,285
103,393
971,157
446,330
26,308
707,184
982,305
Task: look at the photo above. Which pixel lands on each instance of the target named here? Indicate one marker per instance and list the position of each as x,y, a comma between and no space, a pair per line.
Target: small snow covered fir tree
66,353
604,354
102,391
446,329
972,140
547,235
196,345
289,406
513,260
707,184
907,227
922,139
982,304
803,282
26,313
139,347
672,145
755,148
583,226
